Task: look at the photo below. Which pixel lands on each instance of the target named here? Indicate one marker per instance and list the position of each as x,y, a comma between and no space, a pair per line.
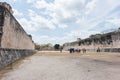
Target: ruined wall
109,42
13,35
116,39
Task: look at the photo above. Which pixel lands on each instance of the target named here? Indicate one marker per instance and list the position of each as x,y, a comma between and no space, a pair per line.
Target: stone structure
8,56
12,35
108,42
14,41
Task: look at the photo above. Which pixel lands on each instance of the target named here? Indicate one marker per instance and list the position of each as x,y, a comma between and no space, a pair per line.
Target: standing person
61,50
70,50
84,50
98,50
79,50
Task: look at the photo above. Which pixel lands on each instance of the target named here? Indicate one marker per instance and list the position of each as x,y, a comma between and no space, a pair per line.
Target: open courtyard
54,65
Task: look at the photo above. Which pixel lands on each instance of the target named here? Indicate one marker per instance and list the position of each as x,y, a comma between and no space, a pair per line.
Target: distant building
107,42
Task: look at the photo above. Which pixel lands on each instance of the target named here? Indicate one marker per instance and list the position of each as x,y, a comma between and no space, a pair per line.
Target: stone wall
108,42
8,56
15,43
13,35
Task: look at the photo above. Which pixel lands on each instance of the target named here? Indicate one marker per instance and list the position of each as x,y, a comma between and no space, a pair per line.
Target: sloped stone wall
15,43
8,56
13,35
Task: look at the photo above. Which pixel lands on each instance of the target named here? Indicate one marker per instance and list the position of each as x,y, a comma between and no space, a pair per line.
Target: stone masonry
12,35
15,43
107,42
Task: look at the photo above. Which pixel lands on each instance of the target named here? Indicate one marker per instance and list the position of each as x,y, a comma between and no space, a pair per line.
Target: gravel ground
43,67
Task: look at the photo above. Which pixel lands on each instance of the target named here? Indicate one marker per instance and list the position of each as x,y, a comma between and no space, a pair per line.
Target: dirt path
65,66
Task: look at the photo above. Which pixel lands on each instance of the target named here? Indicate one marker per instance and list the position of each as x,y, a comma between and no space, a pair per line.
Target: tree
95,36
37,46
56,46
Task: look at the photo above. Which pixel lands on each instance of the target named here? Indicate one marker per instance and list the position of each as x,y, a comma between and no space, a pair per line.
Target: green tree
56,46
37,46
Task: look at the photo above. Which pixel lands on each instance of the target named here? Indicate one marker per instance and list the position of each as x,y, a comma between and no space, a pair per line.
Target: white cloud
35,22
44,39
86,14
26,25
61,12
90,6
17,13
67,12
41,4
31,1
68,37
64,12
39,21
63,26
14,0
80,34
115,22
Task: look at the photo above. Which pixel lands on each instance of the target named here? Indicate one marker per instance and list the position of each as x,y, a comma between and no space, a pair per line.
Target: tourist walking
84,50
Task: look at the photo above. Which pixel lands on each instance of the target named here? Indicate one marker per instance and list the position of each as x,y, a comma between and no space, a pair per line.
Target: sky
61,21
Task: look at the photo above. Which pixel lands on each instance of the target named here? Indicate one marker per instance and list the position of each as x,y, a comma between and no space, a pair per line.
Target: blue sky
60,21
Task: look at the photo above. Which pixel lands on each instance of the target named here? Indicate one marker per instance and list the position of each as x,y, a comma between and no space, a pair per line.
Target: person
79,50
98,50
84,50
61,50
71,50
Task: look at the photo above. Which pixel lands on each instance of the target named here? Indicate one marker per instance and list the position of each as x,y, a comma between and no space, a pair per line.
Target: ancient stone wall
13,35
8,56
15,43
109,42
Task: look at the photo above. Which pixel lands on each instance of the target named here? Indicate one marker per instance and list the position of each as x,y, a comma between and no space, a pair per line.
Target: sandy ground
65,66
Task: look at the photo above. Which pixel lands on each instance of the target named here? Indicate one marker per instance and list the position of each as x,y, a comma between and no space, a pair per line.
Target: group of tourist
72,50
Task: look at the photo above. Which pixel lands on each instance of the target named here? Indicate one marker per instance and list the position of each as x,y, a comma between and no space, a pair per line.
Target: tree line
48,46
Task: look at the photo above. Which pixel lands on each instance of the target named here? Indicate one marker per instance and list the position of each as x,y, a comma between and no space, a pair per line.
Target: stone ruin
107,42
15,43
